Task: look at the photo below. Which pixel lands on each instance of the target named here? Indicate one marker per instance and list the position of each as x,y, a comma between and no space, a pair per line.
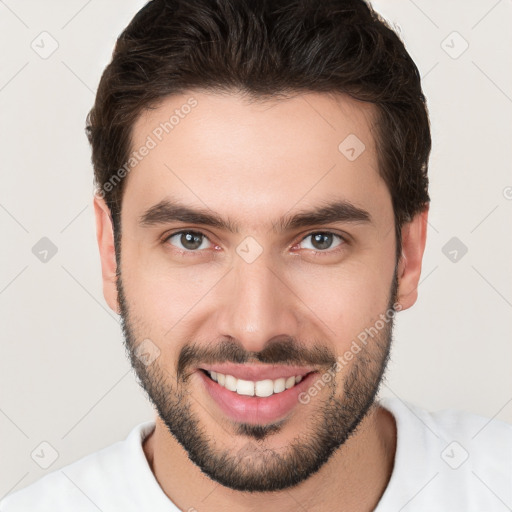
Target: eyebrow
167,211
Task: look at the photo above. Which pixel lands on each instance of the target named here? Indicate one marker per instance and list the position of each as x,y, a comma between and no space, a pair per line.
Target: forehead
253,159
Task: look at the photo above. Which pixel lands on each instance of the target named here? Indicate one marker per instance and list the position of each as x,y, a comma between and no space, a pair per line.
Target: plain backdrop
64,376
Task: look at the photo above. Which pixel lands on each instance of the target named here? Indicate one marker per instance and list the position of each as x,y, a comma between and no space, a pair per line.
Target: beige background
64,378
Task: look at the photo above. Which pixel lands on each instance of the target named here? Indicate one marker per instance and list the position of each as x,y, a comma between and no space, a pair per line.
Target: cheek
165,295
347,298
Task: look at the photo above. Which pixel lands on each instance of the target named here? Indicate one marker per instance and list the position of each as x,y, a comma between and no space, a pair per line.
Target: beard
256,467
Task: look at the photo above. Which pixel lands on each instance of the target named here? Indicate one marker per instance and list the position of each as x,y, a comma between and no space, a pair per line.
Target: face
255,254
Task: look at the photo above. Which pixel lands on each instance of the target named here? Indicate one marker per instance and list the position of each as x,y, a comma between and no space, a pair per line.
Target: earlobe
105,238
414,236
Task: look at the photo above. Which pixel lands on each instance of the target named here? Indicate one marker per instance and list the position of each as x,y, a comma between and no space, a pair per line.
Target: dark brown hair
265,48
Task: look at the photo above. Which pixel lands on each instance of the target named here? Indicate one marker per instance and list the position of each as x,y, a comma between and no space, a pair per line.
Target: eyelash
315,253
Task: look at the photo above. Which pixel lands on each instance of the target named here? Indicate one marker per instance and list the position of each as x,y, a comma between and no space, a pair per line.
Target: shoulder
449,423
82,485
459,460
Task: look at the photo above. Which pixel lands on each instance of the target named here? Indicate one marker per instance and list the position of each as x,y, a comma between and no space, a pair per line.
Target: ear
105,237
414,237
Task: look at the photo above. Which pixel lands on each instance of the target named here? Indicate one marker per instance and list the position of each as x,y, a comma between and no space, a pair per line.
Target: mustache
287,351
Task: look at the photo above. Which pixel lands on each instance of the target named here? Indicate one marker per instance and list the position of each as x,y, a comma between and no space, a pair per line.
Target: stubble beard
255,467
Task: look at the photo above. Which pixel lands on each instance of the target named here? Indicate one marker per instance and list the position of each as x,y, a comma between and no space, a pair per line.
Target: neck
354,478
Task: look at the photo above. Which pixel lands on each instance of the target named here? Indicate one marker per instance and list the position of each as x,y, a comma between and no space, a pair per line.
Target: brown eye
188,240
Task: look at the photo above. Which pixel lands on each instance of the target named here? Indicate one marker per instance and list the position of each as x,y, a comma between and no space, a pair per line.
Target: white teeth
230,383
279,385
261,388
245,387
290,381
264,387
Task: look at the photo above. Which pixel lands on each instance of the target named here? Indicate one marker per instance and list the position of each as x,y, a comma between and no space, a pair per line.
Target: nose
258,304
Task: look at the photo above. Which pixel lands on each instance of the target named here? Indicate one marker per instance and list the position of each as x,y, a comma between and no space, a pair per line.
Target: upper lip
256,372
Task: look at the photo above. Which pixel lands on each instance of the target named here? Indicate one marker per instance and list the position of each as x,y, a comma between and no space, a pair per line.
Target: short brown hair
265,48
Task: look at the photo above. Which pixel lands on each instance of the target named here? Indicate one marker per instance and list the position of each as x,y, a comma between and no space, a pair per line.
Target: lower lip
253,409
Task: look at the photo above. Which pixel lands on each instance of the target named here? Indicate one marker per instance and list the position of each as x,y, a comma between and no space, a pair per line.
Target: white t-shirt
446,461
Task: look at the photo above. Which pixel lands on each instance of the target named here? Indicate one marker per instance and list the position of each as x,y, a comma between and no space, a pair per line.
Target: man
261,218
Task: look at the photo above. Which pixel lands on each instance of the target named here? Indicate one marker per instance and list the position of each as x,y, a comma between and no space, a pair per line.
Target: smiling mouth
261,388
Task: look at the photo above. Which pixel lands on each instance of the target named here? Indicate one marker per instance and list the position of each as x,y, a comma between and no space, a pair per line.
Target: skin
253,163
